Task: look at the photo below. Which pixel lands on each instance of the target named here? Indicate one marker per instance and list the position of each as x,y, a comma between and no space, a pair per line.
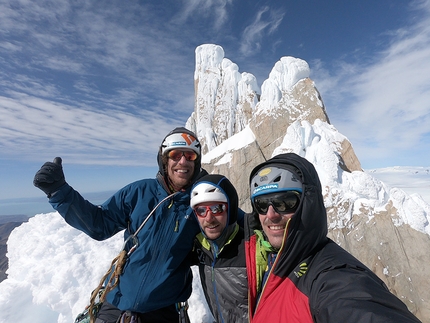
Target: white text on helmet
265,187
177,143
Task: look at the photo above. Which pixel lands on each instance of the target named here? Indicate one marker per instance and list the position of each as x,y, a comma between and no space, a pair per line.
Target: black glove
50,177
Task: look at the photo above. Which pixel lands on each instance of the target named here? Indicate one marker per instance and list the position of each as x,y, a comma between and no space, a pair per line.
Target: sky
100,83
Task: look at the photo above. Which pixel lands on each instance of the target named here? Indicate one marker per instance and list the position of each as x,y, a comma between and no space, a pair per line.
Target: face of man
274,225
212,223
180,171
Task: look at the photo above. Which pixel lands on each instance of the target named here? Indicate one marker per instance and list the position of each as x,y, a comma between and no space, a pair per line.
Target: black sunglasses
283,203
215,209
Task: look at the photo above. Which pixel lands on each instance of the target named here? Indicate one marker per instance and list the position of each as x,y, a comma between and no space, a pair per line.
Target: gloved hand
50,177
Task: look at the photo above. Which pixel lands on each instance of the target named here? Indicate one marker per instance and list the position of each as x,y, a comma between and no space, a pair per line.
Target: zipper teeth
265,283
273,266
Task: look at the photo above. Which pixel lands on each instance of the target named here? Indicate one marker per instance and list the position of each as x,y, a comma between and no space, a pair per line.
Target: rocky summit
241,125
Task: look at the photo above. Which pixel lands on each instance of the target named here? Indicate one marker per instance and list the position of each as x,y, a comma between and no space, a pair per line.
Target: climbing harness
182,309
84,317
117,265
130,317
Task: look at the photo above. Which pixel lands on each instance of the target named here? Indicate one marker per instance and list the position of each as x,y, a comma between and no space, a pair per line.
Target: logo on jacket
303,267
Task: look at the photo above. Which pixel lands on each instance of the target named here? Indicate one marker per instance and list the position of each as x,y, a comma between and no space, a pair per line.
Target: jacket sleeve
351,293
99,222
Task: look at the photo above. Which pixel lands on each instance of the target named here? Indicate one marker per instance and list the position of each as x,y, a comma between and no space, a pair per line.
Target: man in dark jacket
220,248
157,273
295,273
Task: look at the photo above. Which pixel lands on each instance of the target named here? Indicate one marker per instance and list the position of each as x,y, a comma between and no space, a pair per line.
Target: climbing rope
117,265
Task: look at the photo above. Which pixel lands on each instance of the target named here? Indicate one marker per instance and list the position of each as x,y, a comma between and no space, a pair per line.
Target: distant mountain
13,218
241,126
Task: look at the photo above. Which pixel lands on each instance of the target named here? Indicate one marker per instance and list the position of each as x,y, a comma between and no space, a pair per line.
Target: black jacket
221,262
312,278
223,277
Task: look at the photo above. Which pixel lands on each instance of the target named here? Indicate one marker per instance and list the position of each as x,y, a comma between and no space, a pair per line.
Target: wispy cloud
217,10
266,22
90,80
91,41
384,107
33,127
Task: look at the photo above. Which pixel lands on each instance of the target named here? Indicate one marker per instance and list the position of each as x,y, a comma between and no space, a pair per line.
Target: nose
209,216
272,214
183,160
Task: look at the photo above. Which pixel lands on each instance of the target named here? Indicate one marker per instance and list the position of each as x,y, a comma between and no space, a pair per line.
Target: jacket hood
307,229
162,174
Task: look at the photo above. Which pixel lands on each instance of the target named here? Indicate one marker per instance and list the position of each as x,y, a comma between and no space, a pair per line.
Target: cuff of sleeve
59,194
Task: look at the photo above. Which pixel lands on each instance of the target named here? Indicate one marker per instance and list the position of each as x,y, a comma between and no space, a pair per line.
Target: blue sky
100,83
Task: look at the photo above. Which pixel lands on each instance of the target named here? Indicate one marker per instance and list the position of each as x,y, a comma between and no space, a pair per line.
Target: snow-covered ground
53,268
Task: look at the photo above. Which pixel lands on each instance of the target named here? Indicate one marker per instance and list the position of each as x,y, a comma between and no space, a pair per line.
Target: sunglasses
283,203
215,209
176,155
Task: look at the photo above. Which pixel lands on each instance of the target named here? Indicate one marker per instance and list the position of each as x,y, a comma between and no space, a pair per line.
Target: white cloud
32,127
90,80
214,9
383,107
262,25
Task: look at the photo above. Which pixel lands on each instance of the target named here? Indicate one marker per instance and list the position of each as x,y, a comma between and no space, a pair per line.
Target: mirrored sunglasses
176,155
215,209
283,203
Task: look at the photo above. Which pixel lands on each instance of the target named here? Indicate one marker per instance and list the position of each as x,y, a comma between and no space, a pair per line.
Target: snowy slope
53,268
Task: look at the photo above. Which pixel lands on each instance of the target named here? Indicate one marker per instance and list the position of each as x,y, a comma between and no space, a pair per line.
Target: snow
284,75
409,179
242,139
320,143
53,269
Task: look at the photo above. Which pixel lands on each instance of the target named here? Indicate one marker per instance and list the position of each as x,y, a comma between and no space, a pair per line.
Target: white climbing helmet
180,140
206,192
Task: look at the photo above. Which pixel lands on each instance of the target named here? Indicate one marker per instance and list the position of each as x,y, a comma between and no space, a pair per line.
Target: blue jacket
157,273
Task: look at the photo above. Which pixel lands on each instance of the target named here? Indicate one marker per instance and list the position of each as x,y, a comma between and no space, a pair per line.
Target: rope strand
117,265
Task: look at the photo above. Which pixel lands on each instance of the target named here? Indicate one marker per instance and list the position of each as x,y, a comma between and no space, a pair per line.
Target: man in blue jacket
156,276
